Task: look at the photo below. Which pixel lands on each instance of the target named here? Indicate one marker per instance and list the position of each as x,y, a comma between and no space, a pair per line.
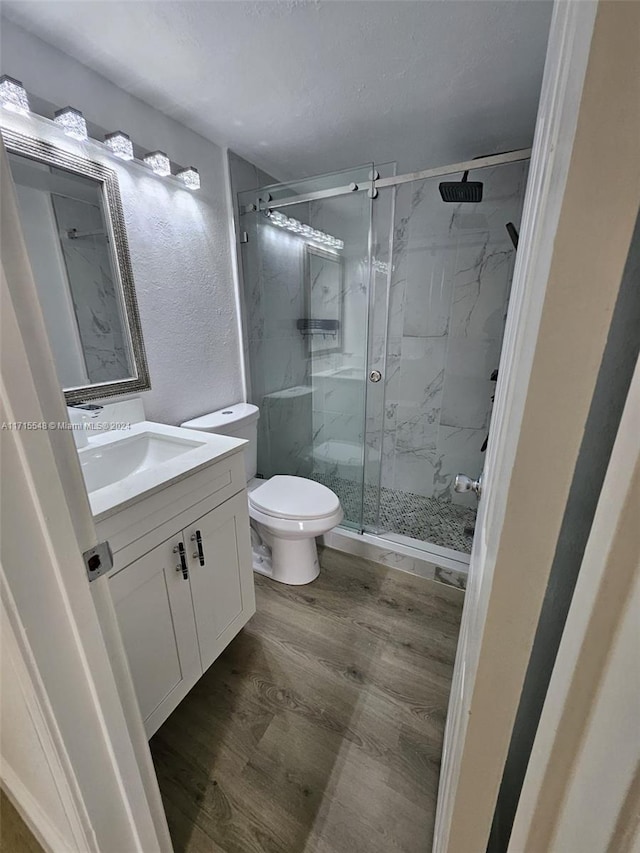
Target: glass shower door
306,298
448,279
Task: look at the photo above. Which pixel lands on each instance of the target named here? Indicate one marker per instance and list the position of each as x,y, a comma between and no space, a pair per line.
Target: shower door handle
375,376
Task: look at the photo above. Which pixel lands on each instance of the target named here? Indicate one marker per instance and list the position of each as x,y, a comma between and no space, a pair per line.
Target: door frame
63,638
591,711
116,774
554,339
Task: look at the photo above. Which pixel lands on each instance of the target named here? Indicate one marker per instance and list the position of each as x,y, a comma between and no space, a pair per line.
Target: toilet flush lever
197,538
182,566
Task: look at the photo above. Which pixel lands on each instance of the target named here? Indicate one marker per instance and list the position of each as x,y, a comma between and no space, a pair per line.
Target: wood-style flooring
319,729
15,835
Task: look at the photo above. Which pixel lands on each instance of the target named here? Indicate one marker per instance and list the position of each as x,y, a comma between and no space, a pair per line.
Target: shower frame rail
379,183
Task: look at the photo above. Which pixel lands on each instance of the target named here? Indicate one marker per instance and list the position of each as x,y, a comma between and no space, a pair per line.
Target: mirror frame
44,152
310,249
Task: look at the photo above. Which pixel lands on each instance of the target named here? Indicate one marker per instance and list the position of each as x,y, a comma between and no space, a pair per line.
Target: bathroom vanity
172,504
175,515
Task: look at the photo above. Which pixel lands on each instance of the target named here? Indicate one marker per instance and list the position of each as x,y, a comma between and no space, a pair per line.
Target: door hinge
98,560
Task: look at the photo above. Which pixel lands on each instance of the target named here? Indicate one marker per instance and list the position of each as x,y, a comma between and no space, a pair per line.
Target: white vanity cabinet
215,569
182,587
155,614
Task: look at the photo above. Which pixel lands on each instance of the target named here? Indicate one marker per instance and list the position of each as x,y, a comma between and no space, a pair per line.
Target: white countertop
209,448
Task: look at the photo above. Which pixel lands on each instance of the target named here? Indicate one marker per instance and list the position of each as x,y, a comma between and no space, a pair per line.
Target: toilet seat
293,498
287,513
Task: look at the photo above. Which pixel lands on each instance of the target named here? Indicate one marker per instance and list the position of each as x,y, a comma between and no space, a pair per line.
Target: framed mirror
324,300
73,226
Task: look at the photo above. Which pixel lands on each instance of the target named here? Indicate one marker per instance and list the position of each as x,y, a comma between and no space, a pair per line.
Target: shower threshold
424,536
401,552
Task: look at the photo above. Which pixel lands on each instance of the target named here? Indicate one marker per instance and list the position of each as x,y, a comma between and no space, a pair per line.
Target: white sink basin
110,463
122,466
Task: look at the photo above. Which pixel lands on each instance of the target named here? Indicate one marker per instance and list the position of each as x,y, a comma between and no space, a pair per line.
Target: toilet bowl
286,512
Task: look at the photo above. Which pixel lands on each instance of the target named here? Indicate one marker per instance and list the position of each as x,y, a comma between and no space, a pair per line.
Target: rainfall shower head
460,192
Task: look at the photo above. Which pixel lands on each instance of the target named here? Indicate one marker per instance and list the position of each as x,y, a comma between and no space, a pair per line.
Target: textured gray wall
179,241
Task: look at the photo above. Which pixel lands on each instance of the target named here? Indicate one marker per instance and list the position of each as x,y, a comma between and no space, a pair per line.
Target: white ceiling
302,88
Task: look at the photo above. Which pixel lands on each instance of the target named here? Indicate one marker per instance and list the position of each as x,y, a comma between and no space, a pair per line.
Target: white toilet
287,513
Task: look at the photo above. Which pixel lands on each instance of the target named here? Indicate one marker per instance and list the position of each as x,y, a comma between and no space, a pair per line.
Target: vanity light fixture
378,266
190,178
278,218
120,145
13,95
159,163
72,122
309,233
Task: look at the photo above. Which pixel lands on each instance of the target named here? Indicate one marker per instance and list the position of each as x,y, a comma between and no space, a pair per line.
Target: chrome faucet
89,410
82,414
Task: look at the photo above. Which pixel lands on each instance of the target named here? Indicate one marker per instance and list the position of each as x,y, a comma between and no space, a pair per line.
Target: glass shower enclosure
373,313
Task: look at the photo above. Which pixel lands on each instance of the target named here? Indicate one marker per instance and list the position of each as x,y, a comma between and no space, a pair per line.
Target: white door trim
567,54
46,525
588,723
565,284
18,659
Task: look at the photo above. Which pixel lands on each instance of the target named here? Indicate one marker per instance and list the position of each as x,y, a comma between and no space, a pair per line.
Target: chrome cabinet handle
182,566
196,537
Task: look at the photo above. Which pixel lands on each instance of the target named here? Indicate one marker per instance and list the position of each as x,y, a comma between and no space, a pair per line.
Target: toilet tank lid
236,416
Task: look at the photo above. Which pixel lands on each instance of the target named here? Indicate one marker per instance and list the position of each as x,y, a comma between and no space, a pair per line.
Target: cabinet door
155,613
223,593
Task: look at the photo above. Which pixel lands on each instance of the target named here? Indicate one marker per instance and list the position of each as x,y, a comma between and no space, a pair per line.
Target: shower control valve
463,483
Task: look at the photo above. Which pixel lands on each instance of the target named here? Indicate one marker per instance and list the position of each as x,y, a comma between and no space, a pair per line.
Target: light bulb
159,163
190,178
72,122
119,144
13,95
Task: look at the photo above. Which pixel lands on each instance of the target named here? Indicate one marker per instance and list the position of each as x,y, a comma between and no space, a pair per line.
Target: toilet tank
239,421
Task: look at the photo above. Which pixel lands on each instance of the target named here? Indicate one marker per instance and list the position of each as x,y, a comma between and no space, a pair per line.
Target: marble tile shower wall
337,378
307,402
95,299
448,298
446,295
273,271
245,179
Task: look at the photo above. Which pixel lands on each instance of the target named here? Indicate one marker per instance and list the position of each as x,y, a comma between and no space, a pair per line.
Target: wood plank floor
319,729
15,835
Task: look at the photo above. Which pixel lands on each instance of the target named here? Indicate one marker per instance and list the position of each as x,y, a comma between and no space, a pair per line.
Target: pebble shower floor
426,519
